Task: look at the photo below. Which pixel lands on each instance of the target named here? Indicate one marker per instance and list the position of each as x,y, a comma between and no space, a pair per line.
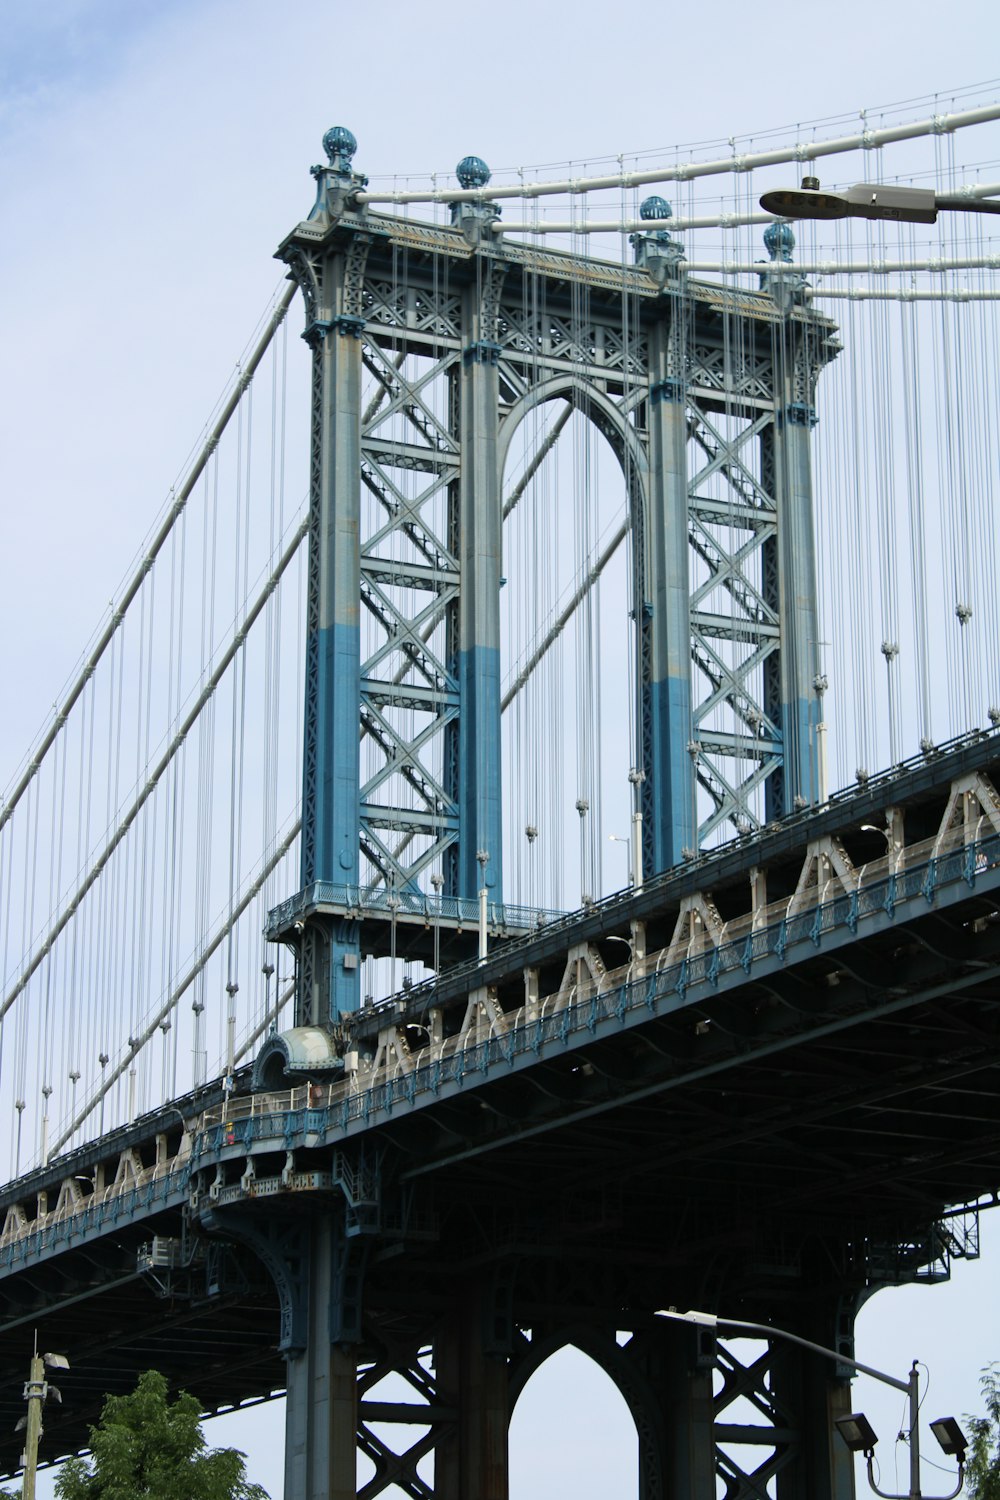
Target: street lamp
856,1430
871,200
616,838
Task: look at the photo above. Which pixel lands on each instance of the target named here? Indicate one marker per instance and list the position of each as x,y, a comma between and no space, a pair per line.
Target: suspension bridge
522,851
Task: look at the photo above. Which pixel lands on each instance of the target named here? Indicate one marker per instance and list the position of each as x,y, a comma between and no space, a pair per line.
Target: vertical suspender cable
149,557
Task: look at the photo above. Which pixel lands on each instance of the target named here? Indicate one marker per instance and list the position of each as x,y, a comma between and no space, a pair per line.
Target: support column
470,1463
667,1381
329,968
689,1414
474,761
665,629
321,1415
822,1467
801,694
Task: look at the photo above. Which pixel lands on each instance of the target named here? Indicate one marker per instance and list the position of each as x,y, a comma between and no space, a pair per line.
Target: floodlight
857,1432
56,1361
951,1437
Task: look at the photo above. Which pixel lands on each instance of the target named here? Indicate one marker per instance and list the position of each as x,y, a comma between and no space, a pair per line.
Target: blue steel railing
361,901
160,1187
321,1109
610,905
619,994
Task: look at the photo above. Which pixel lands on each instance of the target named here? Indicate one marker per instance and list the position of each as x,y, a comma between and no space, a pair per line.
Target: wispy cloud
68,48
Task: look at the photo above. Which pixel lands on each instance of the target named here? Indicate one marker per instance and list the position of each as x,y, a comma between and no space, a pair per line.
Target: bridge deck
765,1096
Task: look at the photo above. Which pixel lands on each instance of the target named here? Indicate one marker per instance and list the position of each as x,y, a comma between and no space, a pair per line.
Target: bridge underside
775,1149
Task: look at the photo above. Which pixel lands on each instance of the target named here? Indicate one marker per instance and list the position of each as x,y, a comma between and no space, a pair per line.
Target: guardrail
609,905
640,985
360,901
636,986
93,1211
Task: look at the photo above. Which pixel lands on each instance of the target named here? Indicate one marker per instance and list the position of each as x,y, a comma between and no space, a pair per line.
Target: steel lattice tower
464,334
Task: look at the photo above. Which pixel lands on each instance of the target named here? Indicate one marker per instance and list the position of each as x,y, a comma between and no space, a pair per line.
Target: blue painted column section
801,704
331,802
337,643
669,789
477,660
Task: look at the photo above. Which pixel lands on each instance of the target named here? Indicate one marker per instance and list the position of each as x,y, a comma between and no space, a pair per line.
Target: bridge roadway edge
777,1152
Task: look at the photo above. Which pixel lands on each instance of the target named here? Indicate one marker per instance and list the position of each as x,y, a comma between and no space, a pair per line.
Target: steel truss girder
733,758
410,579
750,1382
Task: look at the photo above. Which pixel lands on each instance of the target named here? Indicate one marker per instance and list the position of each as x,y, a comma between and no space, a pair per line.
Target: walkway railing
663,980
359,901
637,986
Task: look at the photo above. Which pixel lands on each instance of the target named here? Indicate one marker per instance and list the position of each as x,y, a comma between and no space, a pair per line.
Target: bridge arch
571,550
610,419
615,1362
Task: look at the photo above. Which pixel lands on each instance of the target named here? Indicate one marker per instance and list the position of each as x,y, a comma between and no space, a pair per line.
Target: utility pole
37,1391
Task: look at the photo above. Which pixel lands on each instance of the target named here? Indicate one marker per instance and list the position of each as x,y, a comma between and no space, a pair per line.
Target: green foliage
148,1448
982,1473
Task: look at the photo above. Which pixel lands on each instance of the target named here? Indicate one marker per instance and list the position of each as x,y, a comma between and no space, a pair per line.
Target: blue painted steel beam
801,703
476,642
330,973
669,794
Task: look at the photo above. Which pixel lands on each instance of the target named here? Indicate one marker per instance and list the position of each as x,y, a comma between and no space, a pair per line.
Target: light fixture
951,1437
870,200
857,1432
855,1429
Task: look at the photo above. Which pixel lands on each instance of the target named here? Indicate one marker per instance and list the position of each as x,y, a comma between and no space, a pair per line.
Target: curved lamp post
856,1430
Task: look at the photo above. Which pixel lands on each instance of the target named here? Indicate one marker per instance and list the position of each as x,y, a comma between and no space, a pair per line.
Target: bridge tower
430,345
706,396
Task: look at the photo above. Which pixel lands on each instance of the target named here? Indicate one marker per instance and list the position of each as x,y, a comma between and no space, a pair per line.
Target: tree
148,1448
982,1473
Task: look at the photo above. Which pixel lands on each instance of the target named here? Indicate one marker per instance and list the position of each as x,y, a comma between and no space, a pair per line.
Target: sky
152,155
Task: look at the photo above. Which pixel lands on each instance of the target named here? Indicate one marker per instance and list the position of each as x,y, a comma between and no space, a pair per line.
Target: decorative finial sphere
472,172
340,145
779,241
655,208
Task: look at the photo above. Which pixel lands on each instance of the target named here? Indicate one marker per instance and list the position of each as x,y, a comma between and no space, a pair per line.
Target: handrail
919,871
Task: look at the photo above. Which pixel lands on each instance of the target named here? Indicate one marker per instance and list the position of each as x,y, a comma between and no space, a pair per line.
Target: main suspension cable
149,557
178,740
801,151
149,1030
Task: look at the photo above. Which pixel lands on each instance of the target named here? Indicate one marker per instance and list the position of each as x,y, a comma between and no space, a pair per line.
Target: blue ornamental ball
339,145
472,172
779,241
655,208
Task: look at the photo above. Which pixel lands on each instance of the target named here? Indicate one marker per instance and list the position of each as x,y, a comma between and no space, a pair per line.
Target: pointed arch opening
573,479
572,1431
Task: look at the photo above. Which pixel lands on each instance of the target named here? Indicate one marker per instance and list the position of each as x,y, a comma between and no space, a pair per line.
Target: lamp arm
952,1493
969,206
885,1494
793,1338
